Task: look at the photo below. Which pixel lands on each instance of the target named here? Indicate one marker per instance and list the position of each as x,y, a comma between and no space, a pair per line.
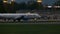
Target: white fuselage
18,15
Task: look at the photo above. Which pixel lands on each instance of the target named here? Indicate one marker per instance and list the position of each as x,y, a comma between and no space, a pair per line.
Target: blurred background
22,6
42,7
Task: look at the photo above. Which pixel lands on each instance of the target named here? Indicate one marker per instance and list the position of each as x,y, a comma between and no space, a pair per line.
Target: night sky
45,2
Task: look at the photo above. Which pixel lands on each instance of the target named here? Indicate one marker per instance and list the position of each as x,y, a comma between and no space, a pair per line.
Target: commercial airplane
19,16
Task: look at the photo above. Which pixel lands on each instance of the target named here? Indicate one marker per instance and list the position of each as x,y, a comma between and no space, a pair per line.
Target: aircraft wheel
35,19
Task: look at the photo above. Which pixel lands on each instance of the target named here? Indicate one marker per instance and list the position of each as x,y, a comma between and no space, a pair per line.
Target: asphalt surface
31,22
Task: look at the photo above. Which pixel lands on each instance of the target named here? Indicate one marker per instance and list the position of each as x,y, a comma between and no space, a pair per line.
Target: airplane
19,16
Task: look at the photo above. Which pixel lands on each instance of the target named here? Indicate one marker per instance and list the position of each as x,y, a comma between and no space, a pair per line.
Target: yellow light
39,1
5,1
12,0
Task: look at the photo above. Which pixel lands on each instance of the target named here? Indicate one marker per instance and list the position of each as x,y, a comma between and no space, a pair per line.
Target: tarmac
31,22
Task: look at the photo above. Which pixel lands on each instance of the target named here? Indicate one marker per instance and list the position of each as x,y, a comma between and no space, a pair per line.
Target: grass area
29,29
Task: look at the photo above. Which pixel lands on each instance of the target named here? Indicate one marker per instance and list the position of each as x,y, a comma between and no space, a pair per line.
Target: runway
32,22
29,22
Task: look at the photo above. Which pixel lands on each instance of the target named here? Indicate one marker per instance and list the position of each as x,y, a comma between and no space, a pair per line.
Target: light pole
12,6
9,7
39,4
39,1
5,2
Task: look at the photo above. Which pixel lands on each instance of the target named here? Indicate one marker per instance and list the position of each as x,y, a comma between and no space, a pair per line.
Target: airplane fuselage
18,16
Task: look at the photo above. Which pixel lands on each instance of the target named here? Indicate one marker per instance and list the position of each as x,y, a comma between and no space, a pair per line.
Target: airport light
49,6
39,1
56,6
12,2
5,1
